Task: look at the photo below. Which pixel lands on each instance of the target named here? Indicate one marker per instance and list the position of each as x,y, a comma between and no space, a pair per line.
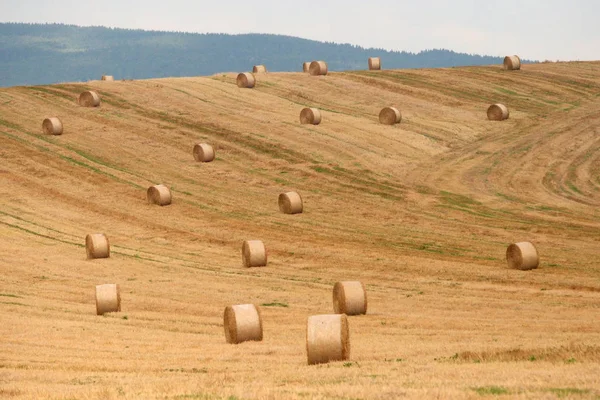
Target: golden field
420,212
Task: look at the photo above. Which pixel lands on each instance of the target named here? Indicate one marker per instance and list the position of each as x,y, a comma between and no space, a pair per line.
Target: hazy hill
50,53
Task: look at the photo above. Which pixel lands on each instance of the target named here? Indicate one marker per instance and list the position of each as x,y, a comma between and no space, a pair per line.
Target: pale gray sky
533,29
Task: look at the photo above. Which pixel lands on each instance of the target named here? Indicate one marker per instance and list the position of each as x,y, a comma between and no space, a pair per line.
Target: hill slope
420,212
41,54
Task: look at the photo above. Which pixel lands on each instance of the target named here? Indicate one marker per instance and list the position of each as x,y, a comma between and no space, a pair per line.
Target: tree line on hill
33,54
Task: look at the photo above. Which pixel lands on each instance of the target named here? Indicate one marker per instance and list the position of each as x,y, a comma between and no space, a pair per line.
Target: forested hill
49,53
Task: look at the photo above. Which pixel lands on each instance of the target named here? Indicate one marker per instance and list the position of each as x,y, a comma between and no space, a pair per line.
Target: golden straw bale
318,68
305,66
523,256
350,298
204,152
108,78
374,63
327,338
497,112
97,246
159,194
390,116
512,63
242,323
259,69
254,253
52,126
310,116
290,203
89,99
246,80
108,298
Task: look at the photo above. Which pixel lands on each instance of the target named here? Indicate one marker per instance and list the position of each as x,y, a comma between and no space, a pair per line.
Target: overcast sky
533,29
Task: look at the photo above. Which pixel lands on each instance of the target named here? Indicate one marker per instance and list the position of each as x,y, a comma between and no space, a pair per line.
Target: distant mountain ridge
32,54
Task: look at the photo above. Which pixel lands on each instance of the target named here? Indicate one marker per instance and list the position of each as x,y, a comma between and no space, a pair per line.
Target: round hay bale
327,338
204,152
246,80
108,298
52,126
374,63
89,99
523,256
305,66
350,298
390,116
259,69
159,194
242,323
290,203
97,246
497,112
512,63
254,254
310,116
108,78
318,68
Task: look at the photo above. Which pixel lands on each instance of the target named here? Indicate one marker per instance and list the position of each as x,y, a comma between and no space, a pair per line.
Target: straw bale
246,80
290,203
254,254
89,99
390,116
522,255
242,323
318,68
374,63
350,298
159,194
204,152
97,246
310,116
108,298
52,126
327,338
497,112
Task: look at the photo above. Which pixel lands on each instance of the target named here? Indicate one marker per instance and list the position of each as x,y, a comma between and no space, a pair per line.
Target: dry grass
422,214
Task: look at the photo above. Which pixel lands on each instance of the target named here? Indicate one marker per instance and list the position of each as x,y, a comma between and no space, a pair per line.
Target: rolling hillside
421,213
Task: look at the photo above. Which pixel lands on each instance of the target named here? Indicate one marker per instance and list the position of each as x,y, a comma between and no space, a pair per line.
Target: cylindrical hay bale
52,126
259,69
306,66
242,323
254,253
390,116
290,203
108,298
108,78
89,99
523,256
350,298
97,246
318,68
327,338
497,112
245,80
159,194
512,63
310,116
204,152
374,63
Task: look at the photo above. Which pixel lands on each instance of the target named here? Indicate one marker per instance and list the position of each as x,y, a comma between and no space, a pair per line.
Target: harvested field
420,213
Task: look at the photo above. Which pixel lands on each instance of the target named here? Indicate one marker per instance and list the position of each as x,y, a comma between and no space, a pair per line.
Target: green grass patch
491,390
